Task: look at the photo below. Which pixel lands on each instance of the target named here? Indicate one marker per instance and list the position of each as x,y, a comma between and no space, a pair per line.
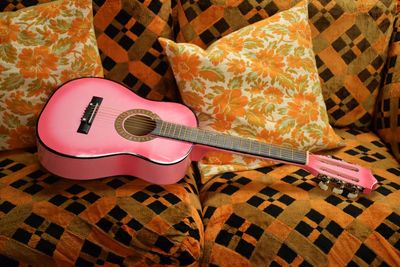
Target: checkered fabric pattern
48,221
127,33
387,120
278,216
350,40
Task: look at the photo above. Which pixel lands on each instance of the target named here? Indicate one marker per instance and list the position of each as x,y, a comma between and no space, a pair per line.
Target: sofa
273,215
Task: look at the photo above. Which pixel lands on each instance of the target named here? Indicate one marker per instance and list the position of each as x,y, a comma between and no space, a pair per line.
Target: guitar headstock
341,175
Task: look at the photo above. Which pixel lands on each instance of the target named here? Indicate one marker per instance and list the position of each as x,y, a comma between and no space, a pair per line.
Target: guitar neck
229,143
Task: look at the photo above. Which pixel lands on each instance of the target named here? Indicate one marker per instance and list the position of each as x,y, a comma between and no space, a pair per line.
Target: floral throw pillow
259,82
41,47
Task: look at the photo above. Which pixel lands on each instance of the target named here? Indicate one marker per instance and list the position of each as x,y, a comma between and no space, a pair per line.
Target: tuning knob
354,191
339,186
324,181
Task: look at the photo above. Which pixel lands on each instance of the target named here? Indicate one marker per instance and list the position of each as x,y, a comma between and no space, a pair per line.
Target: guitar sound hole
139,125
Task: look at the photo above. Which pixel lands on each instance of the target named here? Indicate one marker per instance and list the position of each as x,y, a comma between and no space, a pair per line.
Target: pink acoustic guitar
92,128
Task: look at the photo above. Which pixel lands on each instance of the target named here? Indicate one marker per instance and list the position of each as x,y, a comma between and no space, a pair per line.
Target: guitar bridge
89,115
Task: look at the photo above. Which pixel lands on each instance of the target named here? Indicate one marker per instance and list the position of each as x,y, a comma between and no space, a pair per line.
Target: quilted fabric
259,82
387,121
350,41
119,221
41,48
278,216
127,33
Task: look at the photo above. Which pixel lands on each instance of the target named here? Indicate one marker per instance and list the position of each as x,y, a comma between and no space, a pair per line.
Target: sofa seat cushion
48,221
278,215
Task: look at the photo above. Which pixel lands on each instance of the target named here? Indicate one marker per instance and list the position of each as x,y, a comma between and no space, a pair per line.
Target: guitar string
142,123
285,151
113,114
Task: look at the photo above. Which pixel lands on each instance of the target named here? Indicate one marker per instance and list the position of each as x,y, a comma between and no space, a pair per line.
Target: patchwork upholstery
350,40
46,220
127,33
278,215
387,121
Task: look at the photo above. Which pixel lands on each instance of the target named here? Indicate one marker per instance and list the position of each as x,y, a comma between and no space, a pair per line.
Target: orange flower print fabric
41,47
260,82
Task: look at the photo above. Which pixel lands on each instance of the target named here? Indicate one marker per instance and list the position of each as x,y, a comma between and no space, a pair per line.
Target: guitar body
103,151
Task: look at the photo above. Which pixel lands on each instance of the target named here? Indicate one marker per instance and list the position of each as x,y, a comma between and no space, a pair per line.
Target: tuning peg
339,186
354,191
323,185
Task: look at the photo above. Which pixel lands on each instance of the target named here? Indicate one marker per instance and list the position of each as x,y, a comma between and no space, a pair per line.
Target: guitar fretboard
229,142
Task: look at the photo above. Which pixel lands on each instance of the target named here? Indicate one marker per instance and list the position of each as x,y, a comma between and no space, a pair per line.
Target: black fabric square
385,230
334,200
91,248
115,183
268,191
113,258
366,254
75,189
46,247
334,228
5,162
171,198
255,201
229,190
323,243
6,207
117,213
83,263
75,208
235,221
209,212
223,238
157,206
287,253
322,24
315,216
17,167
244,248
55,230
123,17
140,196
58,200
130,80
91,197
22,236
255,231
164,243
273,210
352,210
157,189
123,237
104,224
135,225
286,200
304,229
34,220
221,25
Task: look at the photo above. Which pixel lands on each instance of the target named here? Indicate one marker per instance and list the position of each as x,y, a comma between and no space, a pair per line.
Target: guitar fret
228,142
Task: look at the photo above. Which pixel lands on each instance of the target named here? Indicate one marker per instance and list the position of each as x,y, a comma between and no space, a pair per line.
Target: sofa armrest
387,119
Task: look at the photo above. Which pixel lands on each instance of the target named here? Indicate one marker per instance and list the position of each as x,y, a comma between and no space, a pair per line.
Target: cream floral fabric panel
41,47
259,82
